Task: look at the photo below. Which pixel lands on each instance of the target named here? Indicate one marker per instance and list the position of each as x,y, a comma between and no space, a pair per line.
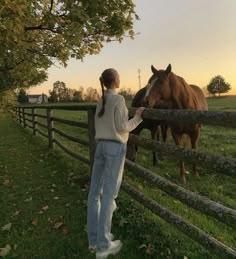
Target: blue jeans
106,179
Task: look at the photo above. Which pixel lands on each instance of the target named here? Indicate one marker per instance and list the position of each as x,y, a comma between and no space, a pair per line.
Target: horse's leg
164,130
194,142
132,148
177,139
137,132
155,133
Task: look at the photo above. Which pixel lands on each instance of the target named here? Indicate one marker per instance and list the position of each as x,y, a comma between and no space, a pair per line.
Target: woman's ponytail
102,111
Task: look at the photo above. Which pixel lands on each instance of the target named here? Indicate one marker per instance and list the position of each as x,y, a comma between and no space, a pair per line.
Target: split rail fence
27,116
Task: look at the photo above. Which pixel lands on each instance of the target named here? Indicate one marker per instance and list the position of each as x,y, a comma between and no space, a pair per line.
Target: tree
22,96
35,34
91,94
53,97
78,95
127,93
59,92
69,95
218,85
205,91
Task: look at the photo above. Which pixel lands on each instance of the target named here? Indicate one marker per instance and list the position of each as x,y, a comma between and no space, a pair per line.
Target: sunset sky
198,38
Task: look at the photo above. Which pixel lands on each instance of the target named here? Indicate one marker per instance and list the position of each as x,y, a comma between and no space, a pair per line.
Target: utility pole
139,78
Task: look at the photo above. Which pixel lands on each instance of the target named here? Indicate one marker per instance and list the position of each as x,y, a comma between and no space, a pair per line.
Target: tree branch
36,52
31,28
50,10
40,27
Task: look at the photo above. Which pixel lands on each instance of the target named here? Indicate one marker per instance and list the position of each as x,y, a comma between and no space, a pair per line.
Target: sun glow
197,44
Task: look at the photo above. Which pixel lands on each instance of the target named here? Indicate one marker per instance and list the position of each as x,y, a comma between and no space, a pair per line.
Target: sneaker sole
92,249
114,252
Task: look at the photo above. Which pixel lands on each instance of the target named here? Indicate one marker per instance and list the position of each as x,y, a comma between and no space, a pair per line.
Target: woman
112,131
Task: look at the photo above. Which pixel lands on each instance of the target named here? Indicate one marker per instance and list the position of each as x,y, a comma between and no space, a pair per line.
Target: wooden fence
27,116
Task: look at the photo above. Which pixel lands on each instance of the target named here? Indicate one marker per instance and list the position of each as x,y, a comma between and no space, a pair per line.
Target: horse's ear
154,70
168,69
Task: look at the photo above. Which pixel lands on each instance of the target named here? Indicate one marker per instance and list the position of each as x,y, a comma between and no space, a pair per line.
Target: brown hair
107,78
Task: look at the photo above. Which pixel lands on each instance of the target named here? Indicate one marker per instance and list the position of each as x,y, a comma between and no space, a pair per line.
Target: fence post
24,123
50,128
20,117
17,114
91,133
34,121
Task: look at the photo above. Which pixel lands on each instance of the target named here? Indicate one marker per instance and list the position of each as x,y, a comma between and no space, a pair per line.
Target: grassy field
32,178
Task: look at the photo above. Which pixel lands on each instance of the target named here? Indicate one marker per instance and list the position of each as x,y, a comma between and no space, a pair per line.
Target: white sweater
114,124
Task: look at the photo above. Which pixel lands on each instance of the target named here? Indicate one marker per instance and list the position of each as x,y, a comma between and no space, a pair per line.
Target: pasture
151,236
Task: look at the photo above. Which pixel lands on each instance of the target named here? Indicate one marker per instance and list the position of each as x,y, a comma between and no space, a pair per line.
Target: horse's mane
139,98
185,96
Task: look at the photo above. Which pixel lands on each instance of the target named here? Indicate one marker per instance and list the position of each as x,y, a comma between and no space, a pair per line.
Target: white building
38,98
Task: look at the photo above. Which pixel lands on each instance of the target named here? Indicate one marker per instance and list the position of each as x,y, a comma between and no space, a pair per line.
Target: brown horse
172,91
153,125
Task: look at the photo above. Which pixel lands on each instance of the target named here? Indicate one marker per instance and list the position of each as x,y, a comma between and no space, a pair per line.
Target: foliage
22,96
78,95
218,85
35,34
205,91
91,94
69,95
7,99
127,93
52,96
59,92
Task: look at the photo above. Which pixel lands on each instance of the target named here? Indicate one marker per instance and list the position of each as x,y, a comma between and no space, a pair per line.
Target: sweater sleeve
122,122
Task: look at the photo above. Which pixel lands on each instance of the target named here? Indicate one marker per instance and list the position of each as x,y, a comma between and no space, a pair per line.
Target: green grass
34,172
33,177
223,103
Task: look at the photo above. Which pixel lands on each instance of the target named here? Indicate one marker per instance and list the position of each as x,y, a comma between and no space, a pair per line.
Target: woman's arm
122,122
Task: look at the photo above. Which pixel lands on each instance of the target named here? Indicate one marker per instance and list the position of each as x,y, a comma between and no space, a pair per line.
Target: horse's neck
183,95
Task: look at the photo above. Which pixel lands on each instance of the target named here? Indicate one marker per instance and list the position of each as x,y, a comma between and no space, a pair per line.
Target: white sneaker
112,236
113,249
92,249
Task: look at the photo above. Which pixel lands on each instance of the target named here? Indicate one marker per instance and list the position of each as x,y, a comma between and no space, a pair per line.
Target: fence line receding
220,164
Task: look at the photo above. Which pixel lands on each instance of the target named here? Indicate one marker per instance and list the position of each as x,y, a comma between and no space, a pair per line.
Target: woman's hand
139,111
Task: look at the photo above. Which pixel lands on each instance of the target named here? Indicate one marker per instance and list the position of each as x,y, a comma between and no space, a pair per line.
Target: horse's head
158,89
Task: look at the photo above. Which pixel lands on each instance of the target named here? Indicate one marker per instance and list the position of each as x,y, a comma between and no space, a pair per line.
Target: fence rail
221,164
189,229
42,125
42,133
73,154
41,116
219,118
71,123
75,139
224,165
196,201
